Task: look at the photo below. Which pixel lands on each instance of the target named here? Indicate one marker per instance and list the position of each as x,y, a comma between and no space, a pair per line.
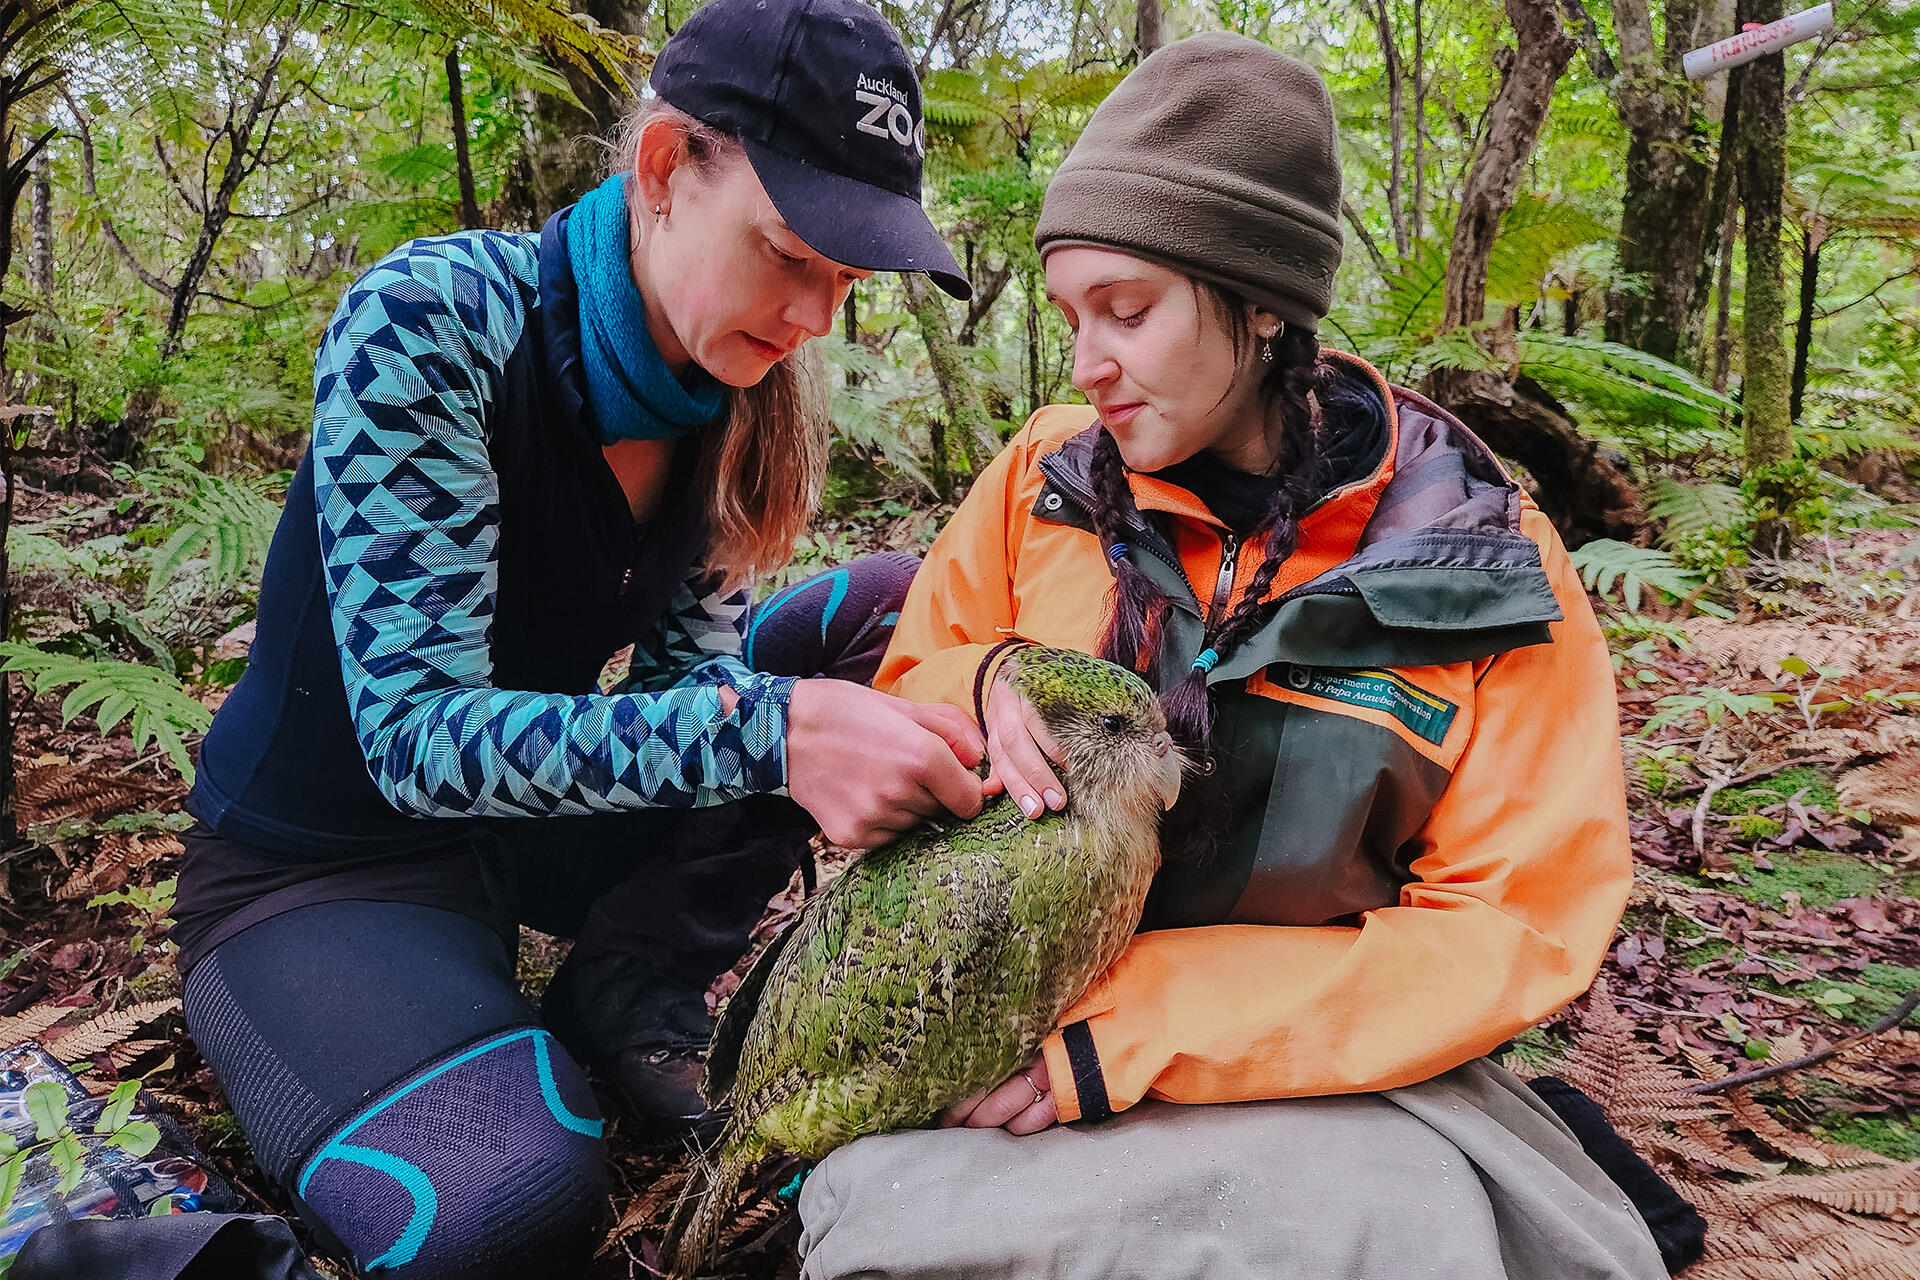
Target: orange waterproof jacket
1426,846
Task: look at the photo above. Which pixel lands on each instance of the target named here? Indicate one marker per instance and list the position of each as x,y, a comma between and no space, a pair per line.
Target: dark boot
630,998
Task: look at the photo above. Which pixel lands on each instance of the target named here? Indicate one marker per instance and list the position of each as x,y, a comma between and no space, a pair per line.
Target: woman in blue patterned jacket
530,451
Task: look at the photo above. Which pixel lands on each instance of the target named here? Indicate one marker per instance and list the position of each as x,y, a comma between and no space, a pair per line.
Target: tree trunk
1581,489
850,326
462,162
40,266
1666,222
1518,111
1764,389
1723,309
1723,207
1033,345
1815,233
968,414
559,160
1382,17
1147,32
40,262
1417,221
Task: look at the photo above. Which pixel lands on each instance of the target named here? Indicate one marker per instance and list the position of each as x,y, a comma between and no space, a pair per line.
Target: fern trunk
1815,236
1765,384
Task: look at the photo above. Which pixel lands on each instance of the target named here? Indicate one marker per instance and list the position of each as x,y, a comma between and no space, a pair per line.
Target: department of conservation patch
1422,712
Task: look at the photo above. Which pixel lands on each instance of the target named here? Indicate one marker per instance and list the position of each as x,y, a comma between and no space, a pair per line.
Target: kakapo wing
928,969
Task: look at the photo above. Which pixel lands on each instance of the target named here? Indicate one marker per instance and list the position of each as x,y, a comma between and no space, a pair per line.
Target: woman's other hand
1023,1103
1022,753
868,765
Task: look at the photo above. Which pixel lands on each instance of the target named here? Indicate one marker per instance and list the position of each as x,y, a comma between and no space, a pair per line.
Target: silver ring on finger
1038,1093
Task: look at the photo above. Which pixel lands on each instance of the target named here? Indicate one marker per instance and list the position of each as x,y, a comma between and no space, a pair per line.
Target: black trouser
388,1070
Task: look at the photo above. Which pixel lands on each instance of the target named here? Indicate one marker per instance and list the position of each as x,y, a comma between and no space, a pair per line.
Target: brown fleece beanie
1215,157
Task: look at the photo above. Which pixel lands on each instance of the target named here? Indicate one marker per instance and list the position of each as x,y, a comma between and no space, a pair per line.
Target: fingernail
1054,799
1030,806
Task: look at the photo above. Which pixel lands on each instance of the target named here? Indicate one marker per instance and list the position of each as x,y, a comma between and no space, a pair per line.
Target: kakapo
937,965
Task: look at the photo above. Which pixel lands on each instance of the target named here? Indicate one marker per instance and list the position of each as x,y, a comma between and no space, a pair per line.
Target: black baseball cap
822,97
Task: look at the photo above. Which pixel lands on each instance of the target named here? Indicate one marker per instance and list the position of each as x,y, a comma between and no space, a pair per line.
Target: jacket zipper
633,561
1223,586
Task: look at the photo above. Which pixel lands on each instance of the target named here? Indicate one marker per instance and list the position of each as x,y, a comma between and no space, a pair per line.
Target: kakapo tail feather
700,1212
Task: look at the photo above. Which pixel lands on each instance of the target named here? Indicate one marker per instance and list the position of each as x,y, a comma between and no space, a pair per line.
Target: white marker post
1725,55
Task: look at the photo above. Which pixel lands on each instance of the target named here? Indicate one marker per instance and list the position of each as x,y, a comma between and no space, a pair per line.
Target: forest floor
1776,915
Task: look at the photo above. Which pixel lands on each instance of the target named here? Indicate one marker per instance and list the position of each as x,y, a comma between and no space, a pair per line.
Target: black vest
281,769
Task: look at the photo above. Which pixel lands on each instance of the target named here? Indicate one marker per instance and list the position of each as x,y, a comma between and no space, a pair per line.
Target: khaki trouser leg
1466,1177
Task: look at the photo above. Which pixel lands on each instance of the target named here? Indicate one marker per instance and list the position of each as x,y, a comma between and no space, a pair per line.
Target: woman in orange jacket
1409,840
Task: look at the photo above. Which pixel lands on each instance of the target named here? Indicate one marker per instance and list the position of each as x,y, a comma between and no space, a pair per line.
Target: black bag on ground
1677,1227
184,1246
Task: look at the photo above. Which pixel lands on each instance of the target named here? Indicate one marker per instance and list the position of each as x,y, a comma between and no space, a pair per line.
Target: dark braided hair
1138,609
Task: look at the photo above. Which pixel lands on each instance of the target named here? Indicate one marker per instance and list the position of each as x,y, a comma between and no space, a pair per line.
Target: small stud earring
656,209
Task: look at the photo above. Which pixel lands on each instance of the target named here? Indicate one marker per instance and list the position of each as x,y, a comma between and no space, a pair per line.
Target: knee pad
487,1162
836,623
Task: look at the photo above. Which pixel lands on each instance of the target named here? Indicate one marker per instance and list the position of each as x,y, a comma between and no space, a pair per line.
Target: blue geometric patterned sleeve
409,519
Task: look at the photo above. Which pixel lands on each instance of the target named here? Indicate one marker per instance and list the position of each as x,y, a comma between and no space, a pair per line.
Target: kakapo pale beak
1172,765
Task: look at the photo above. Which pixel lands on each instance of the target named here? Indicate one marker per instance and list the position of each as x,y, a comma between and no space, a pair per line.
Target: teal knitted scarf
632,393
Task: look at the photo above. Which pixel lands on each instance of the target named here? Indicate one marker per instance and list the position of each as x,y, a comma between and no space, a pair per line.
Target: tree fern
156,708
1693,512
1535,232
32,549
1606,565
228,521
1640,393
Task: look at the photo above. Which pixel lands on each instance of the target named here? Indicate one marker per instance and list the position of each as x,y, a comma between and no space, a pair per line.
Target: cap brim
856,223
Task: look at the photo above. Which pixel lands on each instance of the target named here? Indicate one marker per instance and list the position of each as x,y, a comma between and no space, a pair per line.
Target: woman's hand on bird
1022,752
868,765
1022,1103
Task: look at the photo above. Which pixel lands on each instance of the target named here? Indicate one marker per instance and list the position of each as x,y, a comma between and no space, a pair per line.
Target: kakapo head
1108,724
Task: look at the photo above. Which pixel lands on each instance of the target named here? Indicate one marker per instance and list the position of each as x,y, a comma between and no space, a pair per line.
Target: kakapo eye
1113,723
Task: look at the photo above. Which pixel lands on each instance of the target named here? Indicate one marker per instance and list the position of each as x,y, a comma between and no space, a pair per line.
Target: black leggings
383,1062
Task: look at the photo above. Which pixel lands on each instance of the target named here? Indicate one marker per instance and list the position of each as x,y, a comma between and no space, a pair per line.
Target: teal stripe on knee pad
408,1175
426,1201
550,1091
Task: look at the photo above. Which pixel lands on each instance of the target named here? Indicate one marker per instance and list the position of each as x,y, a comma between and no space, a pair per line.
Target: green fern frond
156,708
1606,565
1534,233
1693,512
1416,292
228,521
29,550
1618,381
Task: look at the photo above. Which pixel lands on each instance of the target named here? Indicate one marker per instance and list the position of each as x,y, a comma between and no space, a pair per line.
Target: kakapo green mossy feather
936,966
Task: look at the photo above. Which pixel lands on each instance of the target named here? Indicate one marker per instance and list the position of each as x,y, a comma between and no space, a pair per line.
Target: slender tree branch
1740,1079
1833,36
292,210
1868,296
173,175
147,277
1366,237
